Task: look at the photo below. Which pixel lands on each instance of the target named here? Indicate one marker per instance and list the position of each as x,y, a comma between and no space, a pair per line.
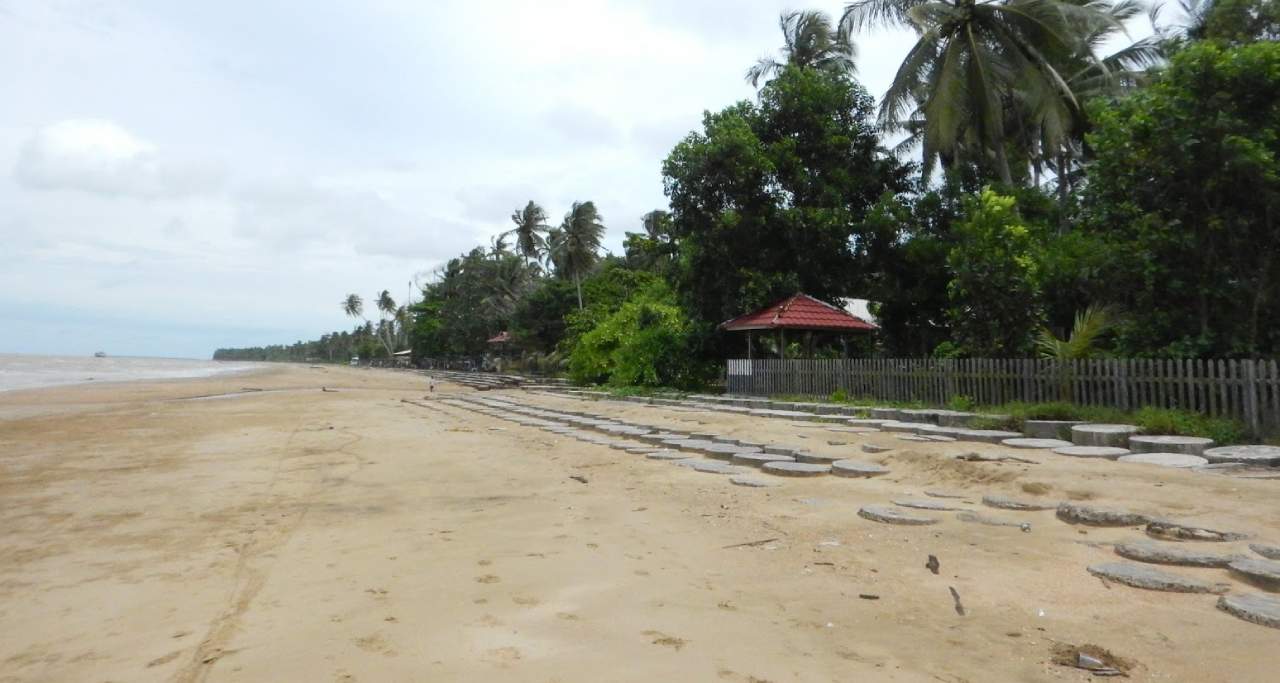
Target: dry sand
300,535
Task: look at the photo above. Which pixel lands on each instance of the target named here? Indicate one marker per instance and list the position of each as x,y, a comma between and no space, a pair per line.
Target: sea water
22,371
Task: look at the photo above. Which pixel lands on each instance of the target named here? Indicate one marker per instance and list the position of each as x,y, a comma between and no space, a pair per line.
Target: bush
646,342
1186,423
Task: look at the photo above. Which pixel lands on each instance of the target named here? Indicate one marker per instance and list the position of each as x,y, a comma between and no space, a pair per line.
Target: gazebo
801,313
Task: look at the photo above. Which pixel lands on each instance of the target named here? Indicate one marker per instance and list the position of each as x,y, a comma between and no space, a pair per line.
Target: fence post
1251,397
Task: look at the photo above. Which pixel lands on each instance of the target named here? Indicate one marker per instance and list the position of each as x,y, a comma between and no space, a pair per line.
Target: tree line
1015,192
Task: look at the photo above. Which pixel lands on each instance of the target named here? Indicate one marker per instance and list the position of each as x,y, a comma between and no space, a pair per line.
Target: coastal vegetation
1032,183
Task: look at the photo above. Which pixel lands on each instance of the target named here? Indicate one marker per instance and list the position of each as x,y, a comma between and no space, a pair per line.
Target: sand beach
258,527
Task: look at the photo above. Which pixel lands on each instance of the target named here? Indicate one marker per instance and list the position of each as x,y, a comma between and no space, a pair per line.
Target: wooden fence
1248,390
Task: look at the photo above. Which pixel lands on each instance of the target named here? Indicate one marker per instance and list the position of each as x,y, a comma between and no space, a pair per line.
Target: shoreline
295,534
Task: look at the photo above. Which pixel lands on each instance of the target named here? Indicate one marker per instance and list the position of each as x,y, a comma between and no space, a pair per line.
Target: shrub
839,396
646,342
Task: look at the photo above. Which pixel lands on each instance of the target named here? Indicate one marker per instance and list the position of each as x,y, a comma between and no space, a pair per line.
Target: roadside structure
801,314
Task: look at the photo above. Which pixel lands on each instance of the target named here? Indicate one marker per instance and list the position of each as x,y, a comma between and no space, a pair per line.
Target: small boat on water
100,354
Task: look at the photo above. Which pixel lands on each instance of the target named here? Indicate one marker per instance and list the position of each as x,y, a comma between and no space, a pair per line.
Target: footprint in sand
488,578
525,600
660,638
504,656
376,643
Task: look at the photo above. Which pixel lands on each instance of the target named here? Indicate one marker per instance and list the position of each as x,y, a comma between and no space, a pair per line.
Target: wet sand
291,534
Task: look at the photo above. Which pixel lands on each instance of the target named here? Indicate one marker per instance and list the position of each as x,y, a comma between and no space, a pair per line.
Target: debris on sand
1096,660
578,477
933,564
956,598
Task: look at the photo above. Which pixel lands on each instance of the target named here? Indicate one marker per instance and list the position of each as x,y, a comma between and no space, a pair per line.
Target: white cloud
100,157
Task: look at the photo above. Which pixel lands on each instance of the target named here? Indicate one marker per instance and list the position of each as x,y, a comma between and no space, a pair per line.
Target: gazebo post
782,343
748,344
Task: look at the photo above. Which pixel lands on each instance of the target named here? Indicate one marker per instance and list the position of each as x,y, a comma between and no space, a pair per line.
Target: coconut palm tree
577,243
969,59
809,40
531,222
353,306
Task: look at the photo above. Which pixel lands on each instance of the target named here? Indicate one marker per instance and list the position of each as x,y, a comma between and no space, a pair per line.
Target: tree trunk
1002,164
577,281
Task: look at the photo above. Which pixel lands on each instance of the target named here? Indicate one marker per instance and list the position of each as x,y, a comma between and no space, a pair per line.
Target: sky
177,177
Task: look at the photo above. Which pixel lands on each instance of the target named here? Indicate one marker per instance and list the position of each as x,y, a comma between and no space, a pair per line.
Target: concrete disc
1254,455
725,451
1139,576
643,450
1036,443
1271,552
872,448
667,455
1096,516
1108,452
715,467
985,435
934,493
1103,434
854,468
888,515
780,450
926,505
759,459
1188,445
1179,531
796,469
1165,459
817,458
1263,573
1263,610
691,444
1049,429
1014,504
975,518
752,482
1181,554
907,427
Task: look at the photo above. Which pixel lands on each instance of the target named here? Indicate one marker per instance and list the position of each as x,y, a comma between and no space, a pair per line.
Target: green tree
767,199
969,59
653,249
995,280
1184,191
578,242
531,223
810,41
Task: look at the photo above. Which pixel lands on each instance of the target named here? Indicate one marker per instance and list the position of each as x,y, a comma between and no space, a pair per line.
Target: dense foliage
1063,201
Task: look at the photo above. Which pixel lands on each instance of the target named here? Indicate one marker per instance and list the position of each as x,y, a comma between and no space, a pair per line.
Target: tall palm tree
809,40
531,222
969,59
577,243
353,306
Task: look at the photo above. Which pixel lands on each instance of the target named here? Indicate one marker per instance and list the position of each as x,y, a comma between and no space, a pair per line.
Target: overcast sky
179,176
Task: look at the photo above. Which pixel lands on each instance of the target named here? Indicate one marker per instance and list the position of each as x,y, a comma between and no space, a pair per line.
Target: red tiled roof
500,338
799,312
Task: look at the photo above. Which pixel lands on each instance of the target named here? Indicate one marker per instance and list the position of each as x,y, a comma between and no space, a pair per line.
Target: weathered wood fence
1248,390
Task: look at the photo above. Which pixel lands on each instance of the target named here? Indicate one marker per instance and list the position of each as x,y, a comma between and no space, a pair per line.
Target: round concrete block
1095,516
725,451
1148,578
1263,610
780,450
796,469
1013,504
698,445
975,518
884,413
888,515
817,458
1179,531
872,448
934,493
1165,459
1107,452
913,437
866,422
1049,429
1103,434
902,427
920,504
667,455
715,467
759,459
750,444
854,468
1036,443
1253,455
1271,552
1181,554
1262,573
985,435
752,482
643,450
1187,445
